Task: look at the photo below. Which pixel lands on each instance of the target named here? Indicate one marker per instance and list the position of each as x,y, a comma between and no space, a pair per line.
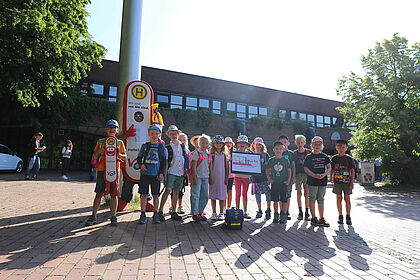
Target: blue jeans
33,162
199,195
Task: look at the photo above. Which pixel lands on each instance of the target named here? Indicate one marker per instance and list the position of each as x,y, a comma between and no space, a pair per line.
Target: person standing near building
219,176
317,166
342,175
34,162
291,157
260,183
301,179
242,180
66,153
230,146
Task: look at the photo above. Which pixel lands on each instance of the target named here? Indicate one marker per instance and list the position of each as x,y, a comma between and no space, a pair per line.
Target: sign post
111,164
367,173
137,113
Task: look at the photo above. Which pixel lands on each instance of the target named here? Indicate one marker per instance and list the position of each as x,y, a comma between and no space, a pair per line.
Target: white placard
111,161
246,163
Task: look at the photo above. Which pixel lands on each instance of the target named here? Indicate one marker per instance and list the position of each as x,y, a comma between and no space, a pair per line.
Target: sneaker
221,217
35,178
203,217
268,214
307,217
276,219
214,217
27,178
175,216
340,219
247,216
161,216
196,217
181,210
259,214
157,217
90,221
314,221
283,218
170,209
142,219
288,216
65,177
348,220
300,216
323,223
114,221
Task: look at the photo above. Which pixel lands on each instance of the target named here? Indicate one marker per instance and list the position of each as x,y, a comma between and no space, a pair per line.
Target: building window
231,107
263,111
302,116
204,103
334,122
112,94
252,111
191,103
162,98
241,111
217,107
282,114
311,120
319,121
327,121
176,102
97,89
293,115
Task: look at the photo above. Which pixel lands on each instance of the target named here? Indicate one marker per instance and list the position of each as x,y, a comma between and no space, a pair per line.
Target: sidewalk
43,237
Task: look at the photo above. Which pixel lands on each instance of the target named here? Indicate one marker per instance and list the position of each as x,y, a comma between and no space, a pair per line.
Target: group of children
208,172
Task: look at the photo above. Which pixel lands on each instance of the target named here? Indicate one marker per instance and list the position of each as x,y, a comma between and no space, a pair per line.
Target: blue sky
297,46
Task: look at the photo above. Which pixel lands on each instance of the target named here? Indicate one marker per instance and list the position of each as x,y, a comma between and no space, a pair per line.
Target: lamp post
129,64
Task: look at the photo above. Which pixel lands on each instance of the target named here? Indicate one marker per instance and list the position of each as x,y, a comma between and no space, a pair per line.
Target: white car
9,160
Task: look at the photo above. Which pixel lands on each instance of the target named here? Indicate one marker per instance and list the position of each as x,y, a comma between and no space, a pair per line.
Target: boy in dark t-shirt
342,175
278,172
291,157
301,179
317,165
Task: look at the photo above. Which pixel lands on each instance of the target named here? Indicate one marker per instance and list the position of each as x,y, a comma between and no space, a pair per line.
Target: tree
385,105
45,50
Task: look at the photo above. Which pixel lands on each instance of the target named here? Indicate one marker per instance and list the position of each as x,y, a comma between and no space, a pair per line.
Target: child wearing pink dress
219,176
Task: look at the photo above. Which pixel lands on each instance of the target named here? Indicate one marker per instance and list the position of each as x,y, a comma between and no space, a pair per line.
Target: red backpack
200,159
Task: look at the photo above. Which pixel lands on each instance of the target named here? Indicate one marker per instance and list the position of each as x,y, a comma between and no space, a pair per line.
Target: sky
296,46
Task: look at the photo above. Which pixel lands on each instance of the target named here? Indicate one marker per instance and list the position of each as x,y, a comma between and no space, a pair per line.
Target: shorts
260,188
175,182
301,179
279,192
145,181
340,188
101,184
317,193
230,183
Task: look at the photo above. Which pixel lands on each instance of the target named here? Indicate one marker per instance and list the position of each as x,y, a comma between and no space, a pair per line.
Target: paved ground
42,236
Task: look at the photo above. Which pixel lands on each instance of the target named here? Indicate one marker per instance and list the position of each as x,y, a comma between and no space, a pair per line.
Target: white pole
129,64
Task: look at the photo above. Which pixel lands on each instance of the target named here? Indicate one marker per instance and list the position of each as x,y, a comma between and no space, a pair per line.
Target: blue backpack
234,218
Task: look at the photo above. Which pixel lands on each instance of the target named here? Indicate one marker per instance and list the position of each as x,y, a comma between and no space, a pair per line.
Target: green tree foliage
385,105
44,49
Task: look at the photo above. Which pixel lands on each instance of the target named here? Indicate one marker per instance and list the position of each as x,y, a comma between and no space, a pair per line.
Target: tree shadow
399,205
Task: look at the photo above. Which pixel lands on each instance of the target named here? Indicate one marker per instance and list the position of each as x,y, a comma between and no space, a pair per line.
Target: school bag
307,151
200,159
234,218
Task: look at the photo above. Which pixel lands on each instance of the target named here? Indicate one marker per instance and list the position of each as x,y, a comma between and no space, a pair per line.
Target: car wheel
19,167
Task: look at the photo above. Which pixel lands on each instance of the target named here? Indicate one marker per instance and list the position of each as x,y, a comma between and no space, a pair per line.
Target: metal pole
129,64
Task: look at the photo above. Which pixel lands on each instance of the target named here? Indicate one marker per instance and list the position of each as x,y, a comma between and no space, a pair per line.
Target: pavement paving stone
46,238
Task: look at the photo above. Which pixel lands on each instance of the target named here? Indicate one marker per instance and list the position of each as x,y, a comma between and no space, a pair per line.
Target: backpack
306,150
171,153
147,151
234,219
200,159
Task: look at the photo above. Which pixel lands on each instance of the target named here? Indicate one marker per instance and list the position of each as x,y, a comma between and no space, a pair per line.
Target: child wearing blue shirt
152,160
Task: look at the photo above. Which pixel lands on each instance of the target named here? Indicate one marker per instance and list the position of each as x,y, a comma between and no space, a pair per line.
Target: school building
237,109
234,105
